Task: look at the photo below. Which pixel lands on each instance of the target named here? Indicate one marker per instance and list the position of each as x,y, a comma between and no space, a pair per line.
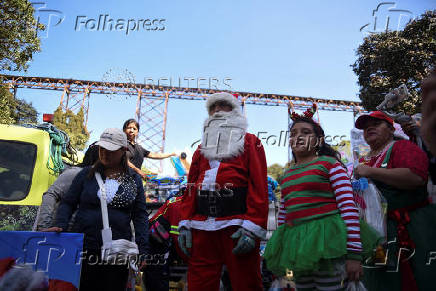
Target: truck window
17,160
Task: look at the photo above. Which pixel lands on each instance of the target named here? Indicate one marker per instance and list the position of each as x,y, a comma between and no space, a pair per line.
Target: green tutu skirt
314,245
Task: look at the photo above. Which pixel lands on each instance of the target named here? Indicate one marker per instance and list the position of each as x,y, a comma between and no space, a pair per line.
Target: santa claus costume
224,211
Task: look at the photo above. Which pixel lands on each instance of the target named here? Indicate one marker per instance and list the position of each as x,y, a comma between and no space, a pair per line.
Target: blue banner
57,254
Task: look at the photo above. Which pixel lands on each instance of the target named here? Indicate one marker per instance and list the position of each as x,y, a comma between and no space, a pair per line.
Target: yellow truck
26,172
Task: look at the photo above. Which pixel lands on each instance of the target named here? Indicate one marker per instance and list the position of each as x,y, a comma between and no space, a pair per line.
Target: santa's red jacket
246,170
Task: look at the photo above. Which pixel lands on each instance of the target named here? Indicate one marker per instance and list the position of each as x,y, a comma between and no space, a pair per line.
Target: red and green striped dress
318,219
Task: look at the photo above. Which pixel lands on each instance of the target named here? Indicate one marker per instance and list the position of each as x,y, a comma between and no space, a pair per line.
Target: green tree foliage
18,34
73,125
19,40
275,171
15,111
6,106
17,217
387,60
24,112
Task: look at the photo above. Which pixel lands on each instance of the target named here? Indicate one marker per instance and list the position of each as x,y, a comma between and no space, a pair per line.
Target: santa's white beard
224,135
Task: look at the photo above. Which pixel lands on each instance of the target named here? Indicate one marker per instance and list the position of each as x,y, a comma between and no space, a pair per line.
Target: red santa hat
231,99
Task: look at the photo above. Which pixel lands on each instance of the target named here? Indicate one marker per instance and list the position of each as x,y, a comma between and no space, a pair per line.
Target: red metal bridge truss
152,101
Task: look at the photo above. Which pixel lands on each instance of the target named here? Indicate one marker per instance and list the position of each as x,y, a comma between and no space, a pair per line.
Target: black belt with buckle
225,202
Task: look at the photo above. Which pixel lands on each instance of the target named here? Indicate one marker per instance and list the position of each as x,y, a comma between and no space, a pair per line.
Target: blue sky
303,48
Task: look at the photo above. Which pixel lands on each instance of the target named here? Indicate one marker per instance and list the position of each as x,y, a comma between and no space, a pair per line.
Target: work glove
185,240
245,242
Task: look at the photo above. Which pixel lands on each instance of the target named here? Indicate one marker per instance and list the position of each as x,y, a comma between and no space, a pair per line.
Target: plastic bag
372,205
376,209
355,286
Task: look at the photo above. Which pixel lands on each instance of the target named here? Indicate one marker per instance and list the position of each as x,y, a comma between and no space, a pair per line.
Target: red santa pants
213,249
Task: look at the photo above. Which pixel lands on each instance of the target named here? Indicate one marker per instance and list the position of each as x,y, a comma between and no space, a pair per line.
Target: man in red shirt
225,206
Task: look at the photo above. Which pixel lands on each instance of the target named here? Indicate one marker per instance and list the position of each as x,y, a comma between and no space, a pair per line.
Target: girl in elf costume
319,229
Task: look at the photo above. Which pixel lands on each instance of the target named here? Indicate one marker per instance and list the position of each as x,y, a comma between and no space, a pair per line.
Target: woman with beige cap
125,203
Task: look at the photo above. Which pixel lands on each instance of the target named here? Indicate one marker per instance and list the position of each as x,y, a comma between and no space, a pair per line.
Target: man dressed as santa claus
225,207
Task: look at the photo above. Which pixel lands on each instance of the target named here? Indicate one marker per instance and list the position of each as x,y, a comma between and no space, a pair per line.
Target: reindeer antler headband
308,113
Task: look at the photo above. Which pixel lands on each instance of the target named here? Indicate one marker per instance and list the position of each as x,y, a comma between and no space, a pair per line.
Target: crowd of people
221,217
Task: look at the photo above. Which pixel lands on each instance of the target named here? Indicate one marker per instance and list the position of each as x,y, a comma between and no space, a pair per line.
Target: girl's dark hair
98,166
128,121
323,148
